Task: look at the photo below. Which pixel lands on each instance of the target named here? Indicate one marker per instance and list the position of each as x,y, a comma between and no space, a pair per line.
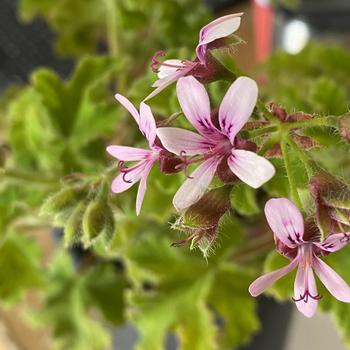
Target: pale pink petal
142,187
265,281
285,221
163,83
334,242
219,28
304,286
126,153
169,67
147,123
129,106
124,181
237,106
195,186
183,142
195,104
331,280
250,168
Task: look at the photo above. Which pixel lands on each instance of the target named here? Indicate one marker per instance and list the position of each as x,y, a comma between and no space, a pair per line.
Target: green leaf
190,293
243,200
71,297
328,97
19,259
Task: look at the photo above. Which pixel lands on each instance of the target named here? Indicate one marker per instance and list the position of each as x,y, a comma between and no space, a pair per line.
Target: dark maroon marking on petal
291,239
346,238
305,297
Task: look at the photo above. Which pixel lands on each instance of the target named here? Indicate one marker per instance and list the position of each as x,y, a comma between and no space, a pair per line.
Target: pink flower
145,157
214,143
303,248
203,66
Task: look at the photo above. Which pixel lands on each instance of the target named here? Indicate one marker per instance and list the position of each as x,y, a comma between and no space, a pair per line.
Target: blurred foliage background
52,149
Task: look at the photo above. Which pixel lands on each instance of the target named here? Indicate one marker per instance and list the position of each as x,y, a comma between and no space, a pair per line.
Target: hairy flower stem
28,177
292,183
261,131
309,164
321,121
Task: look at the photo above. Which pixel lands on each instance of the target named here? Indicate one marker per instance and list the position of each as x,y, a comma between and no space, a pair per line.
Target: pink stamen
155,63
126,171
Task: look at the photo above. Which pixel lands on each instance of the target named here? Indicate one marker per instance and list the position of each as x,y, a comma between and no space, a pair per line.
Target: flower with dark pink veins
204,66
145,158
303,247
214,143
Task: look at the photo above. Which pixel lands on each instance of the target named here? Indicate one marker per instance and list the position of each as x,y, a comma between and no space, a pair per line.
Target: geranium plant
212,145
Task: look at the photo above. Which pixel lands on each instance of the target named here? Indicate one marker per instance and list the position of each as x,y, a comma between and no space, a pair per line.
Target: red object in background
263,15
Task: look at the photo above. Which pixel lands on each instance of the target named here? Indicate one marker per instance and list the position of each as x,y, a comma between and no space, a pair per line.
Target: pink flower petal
147,123
169,67
250,168
195,186
237,106
285,221
126,153
143,186
183,142
219,28
124,181
163,83
305,282
331,280
334,242
194,102
265,281
129,106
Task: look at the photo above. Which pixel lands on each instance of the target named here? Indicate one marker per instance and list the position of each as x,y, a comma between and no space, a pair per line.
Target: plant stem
303,156
112,27
293,187
261,131
322,121
26,176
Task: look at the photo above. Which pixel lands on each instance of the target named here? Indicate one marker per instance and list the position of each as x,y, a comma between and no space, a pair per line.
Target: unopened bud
278,111
62,200
200,221
73,229
98,221
344,127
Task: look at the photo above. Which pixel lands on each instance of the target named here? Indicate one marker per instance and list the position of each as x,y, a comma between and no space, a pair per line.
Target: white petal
265,281
183,142
129,106
237,106
126,153
147,123
305,282
194,101
194,187
250,168
285,221
332,281
219,28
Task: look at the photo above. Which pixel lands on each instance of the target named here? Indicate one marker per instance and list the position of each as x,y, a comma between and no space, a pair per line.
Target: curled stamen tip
155,62
125,179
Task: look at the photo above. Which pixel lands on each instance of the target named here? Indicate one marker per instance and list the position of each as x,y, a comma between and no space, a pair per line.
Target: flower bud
73,228
64,199
200,221
332,200
344,127
98,221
